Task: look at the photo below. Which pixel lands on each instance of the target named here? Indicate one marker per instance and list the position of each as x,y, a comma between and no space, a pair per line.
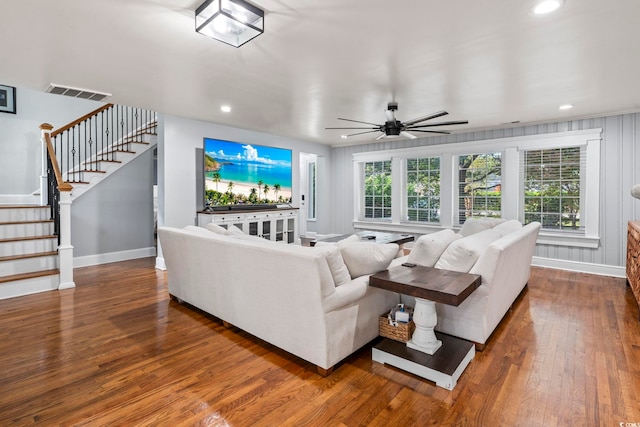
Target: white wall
619,171
20,148
177,175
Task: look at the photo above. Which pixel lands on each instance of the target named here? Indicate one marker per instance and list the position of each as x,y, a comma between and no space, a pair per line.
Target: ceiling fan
393,127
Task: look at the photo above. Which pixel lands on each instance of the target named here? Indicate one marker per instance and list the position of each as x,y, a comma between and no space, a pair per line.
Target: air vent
76,92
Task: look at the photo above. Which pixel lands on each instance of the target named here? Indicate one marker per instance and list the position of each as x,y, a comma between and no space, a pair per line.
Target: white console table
278,225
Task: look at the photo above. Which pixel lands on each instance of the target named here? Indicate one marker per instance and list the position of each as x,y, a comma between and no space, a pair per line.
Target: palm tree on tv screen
276,190
215,177
260,183
266,190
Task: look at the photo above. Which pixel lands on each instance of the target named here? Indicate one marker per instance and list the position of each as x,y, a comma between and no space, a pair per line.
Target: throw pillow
364,258
336,264
462,254
428,248
473,226
232,230
216,229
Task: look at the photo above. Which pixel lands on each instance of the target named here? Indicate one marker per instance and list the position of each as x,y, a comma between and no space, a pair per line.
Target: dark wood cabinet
633,258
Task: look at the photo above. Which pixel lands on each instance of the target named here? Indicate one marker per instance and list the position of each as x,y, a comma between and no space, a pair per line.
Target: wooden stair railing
78,148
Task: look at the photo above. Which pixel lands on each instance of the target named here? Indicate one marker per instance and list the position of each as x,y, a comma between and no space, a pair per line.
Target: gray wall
20,148
117,214
620,157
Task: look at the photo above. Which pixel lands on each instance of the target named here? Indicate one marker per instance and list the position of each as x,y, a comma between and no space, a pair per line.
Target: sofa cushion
338,268
473,226
216,229
365,258
428,248
462,254
508,227
232,230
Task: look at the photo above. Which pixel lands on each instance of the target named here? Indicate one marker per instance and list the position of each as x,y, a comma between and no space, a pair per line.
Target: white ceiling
490,62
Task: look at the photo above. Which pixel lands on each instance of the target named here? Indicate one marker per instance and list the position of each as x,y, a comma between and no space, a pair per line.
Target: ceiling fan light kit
394,128
233,22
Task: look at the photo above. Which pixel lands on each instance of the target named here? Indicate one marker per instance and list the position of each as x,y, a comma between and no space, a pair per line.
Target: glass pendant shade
233,22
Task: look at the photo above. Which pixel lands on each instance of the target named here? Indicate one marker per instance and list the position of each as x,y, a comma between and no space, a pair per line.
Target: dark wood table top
435,284
372,236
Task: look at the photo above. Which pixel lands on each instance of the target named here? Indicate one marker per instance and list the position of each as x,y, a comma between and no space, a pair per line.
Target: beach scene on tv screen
237,173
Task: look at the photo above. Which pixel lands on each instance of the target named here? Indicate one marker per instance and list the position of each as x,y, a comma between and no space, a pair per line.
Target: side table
437,357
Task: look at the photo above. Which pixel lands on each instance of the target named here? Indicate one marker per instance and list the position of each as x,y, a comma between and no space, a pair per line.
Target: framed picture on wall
7,99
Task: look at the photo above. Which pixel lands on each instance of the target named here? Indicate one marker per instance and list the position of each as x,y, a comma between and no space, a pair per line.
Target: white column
425,318
65,250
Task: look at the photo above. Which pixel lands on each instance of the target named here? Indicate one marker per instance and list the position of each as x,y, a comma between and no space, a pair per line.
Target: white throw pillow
508,226
473,226
364,258
216,229
234,231
336,264
428,248
462,254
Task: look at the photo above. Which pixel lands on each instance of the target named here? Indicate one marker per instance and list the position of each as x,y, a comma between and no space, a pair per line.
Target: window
423,189
552,187
377,190
479,186
550,178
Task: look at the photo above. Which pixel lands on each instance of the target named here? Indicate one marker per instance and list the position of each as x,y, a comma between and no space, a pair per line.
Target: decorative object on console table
633,261
7,99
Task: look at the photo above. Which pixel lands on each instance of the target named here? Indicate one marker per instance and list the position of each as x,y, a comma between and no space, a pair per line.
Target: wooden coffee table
437,357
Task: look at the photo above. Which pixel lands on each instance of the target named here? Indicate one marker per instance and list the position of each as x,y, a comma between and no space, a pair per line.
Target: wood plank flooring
117,351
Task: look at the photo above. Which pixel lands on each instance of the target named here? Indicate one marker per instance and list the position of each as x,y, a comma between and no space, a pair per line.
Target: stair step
28,245
27,256
26,284
16,229
16,213
23,276
119,151
100,161
87,171
22,264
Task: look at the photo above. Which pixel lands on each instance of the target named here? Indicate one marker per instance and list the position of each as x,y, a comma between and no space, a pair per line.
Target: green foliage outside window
423,189
480,185
552,188
377,189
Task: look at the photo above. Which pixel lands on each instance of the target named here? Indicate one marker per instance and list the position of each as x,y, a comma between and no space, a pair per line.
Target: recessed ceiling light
565,107
344,136
547,6
225,109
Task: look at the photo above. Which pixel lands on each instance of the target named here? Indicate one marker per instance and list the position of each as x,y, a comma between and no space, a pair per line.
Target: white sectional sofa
499,251
299,299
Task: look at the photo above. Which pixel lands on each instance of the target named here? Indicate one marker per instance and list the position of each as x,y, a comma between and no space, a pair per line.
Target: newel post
65,250
46,128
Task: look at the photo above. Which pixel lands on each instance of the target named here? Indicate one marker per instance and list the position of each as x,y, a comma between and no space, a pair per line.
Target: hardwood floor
117,351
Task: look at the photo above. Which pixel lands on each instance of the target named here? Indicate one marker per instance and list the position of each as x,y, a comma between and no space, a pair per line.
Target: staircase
35,248
28,251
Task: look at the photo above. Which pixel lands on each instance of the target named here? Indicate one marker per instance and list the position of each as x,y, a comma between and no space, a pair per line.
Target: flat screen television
245,174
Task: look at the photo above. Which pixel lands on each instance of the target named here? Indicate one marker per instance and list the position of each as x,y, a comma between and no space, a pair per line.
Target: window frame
512,183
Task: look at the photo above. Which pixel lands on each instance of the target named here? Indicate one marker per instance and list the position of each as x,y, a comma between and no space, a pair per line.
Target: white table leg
425,318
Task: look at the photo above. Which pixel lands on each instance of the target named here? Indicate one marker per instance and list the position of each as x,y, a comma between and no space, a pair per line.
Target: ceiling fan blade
457,122
429,117
377,127
358,121
362,133
407,135
444,132
384,135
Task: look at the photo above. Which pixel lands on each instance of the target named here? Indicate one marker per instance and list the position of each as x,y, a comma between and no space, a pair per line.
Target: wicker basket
402,332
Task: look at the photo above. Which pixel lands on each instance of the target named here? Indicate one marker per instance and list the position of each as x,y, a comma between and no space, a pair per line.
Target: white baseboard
582,267
88,260
160,264
19,199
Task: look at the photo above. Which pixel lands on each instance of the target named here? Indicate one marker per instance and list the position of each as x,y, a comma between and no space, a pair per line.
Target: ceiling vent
76,92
